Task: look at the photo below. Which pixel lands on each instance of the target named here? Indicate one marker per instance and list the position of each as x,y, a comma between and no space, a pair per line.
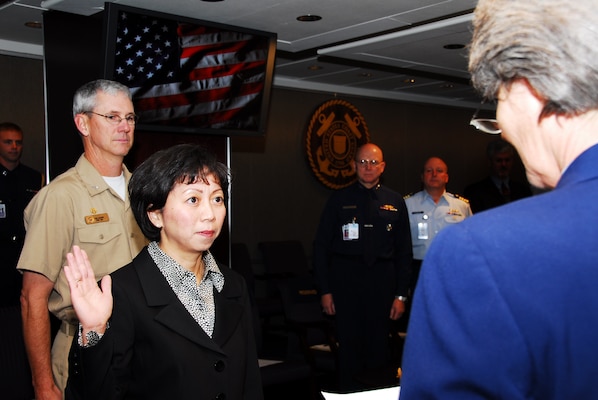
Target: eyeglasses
486,125
437,170
371,163
116,119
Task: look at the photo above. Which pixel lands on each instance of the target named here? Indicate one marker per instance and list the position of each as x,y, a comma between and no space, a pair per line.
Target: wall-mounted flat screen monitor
190,76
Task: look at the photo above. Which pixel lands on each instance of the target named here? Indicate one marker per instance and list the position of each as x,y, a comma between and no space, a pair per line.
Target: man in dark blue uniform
362,254
18,185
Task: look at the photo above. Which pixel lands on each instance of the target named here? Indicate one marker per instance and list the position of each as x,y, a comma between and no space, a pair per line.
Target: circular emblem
335,132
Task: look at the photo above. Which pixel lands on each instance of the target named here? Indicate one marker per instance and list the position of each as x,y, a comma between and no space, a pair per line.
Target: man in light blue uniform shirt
432,209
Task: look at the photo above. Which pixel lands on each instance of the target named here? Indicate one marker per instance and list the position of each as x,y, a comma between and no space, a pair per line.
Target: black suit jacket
484,194
154,349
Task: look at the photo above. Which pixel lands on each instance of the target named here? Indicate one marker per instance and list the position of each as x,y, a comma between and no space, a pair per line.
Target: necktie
506,192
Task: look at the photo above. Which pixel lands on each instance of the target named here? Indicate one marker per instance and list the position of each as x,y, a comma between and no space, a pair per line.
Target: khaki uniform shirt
78,207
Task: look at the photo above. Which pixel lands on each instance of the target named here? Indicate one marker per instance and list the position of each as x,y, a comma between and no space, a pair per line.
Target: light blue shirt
427,218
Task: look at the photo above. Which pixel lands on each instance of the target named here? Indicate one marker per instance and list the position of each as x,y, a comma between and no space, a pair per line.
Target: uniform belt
68,329
357,256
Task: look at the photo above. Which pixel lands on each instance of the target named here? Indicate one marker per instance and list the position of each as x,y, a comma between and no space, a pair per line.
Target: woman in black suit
172,324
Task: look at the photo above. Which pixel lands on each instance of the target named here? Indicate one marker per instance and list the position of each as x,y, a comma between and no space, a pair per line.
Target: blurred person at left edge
18,184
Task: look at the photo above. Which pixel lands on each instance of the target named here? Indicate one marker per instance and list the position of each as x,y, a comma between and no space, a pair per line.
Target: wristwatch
92,337
402,298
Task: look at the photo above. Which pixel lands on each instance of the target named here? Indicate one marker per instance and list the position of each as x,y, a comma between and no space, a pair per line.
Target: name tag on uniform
422,230
96,218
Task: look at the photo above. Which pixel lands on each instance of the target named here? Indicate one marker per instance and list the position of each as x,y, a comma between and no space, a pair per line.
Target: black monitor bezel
111,11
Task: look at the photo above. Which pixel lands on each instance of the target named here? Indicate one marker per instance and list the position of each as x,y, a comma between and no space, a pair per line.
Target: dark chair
281,259
284,258
314,330
279,372
15,379
267,306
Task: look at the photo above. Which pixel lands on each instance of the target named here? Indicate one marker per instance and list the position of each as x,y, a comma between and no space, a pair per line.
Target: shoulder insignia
408,195
457,196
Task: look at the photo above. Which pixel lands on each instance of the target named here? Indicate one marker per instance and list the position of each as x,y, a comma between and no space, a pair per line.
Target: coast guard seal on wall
335,132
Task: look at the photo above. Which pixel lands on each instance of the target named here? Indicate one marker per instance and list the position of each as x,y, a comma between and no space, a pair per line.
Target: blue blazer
154,349
507,301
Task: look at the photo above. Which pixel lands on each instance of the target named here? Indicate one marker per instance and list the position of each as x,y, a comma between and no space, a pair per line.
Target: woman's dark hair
153,180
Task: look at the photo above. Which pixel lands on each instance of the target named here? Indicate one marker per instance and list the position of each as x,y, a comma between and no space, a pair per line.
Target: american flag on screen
190,75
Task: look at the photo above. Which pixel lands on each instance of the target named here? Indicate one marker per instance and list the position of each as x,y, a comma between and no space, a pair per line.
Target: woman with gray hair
506,302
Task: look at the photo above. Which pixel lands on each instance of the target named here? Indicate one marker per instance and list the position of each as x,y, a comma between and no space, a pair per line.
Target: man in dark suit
498,188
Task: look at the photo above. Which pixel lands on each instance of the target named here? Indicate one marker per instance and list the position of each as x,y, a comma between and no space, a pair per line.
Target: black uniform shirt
384,232
17,188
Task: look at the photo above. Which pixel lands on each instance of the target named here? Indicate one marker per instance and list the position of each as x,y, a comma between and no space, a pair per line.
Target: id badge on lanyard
422,228
351,231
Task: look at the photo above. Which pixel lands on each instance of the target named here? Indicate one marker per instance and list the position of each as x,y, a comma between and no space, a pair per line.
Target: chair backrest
280,371
240,261
284,257
303,314
302,307
300,299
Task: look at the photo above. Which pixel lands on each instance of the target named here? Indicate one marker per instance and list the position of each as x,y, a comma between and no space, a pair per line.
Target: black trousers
363,298
11,280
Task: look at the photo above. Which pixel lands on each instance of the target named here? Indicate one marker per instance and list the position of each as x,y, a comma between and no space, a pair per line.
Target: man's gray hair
499,146
550,43
85,97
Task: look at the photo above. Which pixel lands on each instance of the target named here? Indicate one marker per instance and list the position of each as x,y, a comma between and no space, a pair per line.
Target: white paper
264,363
391,393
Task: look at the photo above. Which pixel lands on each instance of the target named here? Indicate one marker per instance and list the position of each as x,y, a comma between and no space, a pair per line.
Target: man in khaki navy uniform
88,206
432,209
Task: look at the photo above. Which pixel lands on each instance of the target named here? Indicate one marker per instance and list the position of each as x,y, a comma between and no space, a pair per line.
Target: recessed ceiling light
33,24
454,46
314,67
409,80
366,75
308,18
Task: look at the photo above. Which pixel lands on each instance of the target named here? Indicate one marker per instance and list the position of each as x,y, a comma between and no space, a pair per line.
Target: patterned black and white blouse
197,299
